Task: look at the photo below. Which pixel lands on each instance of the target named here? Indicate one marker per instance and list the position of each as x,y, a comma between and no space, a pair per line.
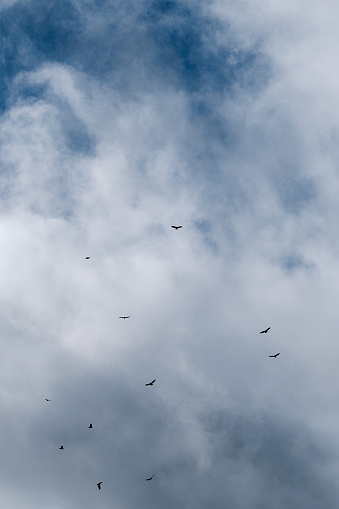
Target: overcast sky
122,118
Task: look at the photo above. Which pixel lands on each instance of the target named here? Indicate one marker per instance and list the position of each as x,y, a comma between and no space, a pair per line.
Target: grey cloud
100,162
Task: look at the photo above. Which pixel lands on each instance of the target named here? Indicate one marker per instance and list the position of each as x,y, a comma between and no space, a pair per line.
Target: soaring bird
151,383
275,356
99,485
176,227
265,331
87,257
47,399
150,478
124,317
61,447
90,426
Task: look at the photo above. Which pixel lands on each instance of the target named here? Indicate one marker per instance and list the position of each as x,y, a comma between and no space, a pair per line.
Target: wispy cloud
118,121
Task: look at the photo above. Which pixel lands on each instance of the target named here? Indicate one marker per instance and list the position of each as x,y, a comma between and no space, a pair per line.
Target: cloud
117,122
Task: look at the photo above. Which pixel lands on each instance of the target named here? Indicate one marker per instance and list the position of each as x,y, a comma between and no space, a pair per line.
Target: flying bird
61,447
275,356
87,258
99,485
265,331
90,426
176,227
47,399
151,383
150,478
124,317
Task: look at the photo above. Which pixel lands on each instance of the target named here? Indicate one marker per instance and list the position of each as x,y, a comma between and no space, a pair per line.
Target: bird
124,317
90,426
275,356
265,331
176,227
87,257
151,383
99,485
61,447
47,399
150,478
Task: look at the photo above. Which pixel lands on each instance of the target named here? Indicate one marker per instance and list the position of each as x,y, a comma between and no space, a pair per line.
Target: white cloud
258,248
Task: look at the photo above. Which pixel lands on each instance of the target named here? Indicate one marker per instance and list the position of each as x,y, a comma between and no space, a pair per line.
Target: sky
118,120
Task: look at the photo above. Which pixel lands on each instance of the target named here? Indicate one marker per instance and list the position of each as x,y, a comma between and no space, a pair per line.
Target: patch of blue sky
138,48
294,262
73,130
175,43
186,47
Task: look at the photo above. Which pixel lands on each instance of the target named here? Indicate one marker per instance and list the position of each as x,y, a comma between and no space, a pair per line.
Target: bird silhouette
176,227
99,485
90,426
275,356
124,317
265,331
47,399
87,257
150,478
151,383
61,447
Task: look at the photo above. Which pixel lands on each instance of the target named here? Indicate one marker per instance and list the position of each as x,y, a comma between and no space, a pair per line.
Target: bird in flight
90,426
176,227
61,447
150,478
151,383
265,331
99,485
275,356
124,317
87,258
47,399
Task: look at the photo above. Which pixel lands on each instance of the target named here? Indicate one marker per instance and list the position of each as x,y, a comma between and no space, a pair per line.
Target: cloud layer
119,120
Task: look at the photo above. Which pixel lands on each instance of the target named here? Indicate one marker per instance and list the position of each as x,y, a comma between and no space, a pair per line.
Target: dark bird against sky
150,478
90,426
61,447
87,258
99,485
47,399
275,356
151,383
176,227
265,331
124,317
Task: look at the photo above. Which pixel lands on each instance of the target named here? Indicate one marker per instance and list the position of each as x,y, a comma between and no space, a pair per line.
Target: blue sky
118,120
